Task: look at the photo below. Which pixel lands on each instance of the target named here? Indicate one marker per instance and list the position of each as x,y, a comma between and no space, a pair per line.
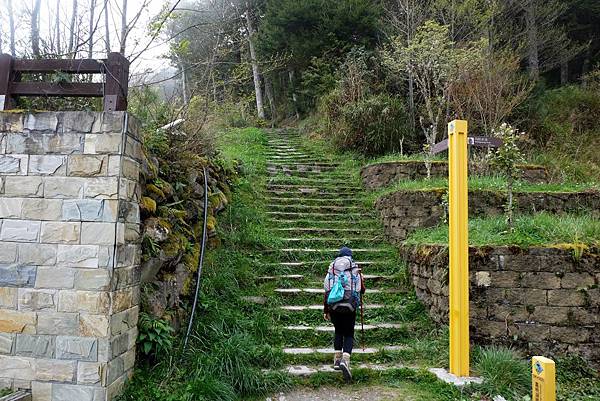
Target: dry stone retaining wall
545,300
69,253
381,175
403,212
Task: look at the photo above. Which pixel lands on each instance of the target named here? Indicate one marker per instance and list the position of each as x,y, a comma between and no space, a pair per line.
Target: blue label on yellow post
543,377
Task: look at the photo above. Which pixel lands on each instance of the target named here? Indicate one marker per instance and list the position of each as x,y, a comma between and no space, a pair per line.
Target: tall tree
106,27
57,23
124,28
11,23
255,68
92,29
35,28
73,31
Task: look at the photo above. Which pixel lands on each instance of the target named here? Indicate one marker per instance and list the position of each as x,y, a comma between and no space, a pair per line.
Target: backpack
342,291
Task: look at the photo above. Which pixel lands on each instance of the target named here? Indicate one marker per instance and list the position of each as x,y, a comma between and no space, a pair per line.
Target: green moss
148,204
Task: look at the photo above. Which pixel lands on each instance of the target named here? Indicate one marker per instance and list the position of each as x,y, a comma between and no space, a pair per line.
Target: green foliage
504,372
506,160
529,230
577,380
155,335
566,130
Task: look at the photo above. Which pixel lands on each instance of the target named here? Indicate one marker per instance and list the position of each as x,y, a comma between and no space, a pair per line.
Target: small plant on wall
505,160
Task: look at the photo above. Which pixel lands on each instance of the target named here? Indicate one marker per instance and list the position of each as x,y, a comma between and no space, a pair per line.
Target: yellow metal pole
459,248
543,379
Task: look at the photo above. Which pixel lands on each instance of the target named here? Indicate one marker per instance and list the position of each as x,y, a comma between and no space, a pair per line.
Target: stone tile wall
381,175
544,300
69,253
403,212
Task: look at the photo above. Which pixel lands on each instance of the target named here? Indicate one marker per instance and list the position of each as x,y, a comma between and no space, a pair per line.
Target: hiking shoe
345,367
337,358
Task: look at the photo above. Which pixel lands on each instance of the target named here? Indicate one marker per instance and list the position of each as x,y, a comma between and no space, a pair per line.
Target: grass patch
529,230
505,373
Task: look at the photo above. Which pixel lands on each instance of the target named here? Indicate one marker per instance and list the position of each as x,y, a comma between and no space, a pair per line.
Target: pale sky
137,39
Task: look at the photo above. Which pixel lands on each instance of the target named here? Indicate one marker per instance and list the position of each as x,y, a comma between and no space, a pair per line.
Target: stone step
341,183
367,277
358,224
320,208
321,230
295,291
302,308
357,350
343,217
358,327
311,189
302,264
299,166
307,370
334,201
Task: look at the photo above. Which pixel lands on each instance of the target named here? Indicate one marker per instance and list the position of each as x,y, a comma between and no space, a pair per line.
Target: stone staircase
315,208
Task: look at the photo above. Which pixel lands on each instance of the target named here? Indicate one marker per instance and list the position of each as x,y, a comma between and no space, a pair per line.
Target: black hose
200,261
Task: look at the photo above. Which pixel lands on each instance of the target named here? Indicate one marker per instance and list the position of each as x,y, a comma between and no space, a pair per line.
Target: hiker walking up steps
344,287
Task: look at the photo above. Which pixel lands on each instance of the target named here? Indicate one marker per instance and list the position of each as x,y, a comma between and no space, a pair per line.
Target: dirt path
348,394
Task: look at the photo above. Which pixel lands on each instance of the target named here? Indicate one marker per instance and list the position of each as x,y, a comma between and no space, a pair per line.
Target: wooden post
7,102
117,83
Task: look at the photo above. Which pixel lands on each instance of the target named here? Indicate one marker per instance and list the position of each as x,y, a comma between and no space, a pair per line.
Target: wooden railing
113,88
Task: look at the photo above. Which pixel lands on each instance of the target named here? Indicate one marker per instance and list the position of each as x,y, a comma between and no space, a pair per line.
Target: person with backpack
344,287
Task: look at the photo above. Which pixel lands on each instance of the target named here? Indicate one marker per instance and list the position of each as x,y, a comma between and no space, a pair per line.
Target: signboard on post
458,237
543,379
476,141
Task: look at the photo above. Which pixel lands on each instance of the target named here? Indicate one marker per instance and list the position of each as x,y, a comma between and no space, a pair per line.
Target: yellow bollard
459,248
543,379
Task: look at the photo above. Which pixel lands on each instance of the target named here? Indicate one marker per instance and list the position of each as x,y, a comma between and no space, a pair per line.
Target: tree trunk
57,29
255,70
294,96
532,40
124,28
564,71
270,96
92,28
35,28
11,23
73,31
106,28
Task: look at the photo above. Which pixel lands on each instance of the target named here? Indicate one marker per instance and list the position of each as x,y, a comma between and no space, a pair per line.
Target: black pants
344,331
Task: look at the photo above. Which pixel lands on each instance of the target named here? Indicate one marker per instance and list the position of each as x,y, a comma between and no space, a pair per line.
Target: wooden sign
477,141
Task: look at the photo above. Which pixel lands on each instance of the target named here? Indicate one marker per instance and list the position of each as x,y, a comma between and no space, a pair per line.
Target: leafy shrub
504,371
155,335
373,126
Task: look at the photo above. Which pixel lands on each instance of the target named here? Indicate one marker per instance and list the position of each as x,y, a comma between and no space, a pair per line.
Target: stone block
569,297
14,367
88,165
60,232
119,345
115,370
569,335
555,315
93,325
42,209
77,348
124,277
7,341
17,322
37,300
130,190
128,359
8,298
47,165
130,169
110,210
101,188
93,233
90,373
92,279
526,296
541,280
8,252
37,254
10,208
55,370
109,143
129,212
44,122
122,300
78,256
133,148
25,187
114,166
79,121
83,210
42,144
41,391
124,321
17,276
13,164
577,280
20,230
35,346
11,122
55,277
63,188
56,323
70,392
84,301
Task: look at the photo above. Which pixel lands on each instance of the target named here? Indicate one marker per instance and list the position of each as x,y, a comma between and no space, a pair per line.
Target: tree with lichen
506,160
